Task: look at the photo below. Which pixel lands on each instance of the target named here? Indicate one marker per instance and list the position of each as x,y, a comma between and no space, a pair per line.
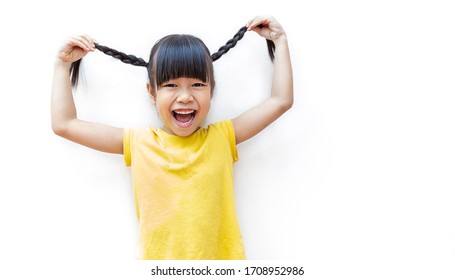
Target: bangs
182,56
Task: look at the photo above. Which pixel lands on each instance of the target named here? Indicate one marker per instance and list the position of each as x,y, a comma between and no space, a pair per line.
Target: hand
267,27
75,48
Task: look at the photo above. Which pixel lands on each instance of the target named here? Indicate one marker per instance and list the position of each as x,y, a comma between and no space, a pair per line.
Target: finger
257,21
78,43
85,42
254,22
250,23
89,39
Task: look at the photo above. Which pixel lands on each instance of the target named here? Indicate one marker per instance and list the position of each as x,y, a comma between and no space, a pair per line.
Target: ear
151,92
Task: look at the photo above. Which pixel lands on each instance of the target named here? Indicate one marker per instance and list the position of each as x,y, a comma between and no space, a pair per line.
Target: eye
169,85
199,85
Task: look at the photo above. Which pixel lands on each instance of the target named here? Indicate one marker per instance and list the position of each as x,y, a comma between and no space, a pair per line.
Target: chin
185,132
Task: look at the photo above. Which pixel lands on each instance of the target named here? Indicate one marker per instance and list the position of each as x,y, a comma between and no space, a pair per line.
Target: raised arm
281,99
63,111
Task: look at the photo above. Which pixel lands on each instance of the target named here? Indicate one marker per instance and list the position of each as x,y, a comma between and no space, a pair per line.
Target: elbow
282,105
284,101
60,128
288,104
285,105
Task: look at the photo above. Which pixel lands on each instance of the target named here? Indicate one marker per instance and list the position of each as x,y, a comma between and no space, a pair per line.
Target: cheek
162,106
205,103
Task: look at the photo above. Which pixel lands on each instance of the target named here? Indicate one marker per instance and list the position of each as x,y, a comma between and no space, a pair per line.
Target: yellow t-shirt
183,190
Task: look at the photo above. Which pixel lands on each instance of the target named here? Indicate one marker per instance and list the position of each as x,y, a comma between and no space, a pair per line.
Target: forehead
182,57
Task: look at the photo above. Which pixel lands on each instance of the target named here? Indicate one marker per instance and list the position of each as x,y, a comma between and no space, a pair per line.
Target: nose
185,96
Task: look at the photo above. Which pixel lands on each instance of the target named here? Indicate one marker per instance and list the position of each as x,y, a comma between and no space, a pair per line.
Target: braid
74,72
271,48
232,42
229,44
125,58
137,61
129,59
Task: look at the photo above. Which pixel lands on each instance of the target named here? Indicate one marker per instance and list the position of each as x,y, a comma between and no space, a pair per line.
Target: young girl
182,172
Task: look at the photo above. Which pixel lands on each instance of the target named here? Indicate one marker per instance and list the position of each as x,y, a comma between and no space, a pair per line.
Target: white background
356,180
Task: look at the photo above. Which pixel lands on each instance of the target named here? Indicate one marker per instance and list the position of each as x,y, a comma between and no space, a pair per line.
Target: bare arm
63,111
281,99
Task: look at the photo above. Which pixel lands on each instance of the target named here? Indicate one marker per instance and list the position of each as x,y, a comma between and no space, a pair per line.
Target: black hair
130,59
238,36
175,56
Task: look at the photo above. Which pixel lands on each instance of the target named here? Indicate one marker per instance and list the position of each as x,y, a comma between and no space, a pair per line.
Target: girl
182,172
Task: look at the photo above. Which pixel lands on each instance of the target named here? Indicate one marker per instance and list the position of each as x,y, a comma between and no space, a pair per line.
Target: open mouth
184,118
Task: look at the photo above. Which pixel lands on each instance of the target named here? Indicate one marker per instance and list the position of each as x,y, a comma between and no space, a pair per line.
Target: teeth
184,112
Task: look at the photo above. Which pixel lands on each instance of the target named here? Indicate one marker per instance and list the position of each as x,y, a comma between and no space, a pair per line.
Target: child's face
182,104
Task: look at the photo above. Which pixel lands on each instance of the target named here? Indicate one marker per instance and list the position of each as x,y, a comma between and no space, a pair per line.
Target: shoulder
226,134
224,126
134,138
134,135
138,131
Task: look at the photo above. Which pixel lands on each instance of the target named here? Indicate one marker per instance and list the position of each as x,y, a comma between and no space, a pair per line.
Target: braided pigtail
74,72
232,42
271,49
229,44
137,61
125,58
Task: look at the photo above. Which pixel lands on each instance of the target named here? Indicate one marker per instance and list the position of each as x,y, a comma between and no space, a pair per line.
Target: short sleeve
232,140
127,146
228,130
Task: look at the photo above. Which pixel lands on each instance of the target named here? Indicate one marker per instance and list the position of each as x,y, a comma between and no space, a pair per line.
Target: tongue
184,118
